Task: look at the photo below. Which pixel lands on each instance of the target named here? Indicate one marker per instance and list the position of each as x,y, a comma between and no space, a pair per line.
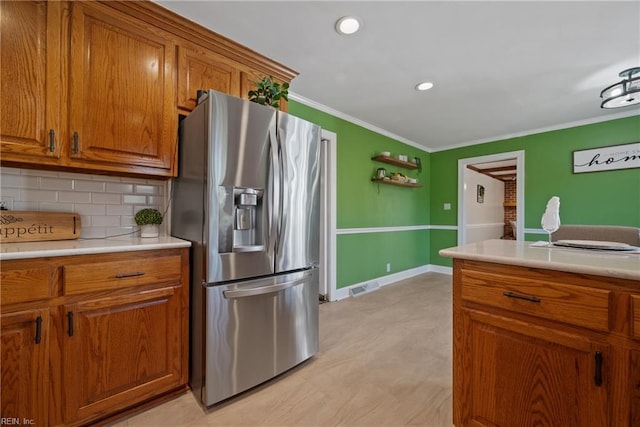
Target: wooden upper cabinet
31,80
122,91
199,69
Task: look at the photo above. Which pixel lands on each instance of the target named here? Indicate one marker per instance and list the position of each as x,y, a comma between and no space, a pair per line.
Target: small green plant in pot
148,219
269,92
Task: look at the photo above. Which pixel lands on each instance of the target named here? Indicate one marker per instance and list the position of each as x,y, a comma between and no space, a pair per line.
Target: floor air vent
364,289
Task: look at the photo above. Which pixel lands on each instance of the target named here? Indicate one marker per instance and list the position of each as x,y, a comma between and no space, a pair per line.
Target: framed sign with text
625,156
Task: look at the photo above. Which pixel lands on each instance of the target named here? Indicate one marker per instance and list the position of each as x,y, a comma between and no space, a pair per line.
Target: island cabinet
102,334
535,347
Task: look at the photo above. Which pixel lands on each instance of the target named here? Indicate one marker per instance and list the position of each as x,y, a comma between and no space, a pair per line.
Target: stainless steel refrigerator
247,197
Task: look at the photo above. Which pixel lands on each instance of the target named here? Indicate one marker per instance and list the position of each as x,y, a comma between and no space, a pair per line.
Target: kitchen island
92,328
545,336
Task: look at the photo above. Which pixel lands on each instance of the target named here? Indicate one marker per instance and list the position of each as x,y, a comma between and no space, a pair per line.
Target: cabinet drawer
80,278
26,284
576,305
635,316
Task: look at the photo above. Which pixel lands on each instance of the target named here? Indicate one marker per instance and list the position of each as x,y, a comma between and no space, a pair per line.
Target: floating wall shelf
395,162
398,183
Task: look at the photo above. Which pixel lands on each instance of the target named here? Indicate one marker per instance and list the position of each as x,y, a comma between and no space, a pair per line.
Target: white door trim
462,165
328,280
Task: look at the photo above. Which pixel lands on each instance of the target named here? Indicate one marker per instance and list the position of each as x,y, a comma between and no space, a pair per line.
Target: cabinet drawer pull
70,322
75,143
125,275
597,378
52,139
524,297
38,329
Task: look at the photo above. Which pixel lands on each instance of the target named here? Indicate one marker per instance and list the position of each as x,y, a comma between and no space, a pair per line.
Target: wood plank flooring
384,360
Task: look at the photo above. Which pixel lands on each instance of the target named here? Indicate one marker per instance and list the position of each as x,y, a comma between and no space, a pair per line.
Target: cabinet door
121,350
24,361
204,70
122,89
30,80
525,375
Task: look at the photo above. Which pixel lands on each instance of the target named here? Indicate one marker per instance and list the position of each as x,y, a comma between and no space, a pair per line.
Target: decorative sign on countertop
626,156
29,226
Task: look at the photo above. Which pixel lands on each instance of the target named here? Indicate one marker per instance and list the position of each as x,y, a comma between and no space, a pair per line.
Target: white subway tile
13,193
120,210
106,198
86,185
122,231
55,207
128,220
93,232
119,187
38,195
146,189
74,197
104,178
11,171
105,221
134,200
25,206
34,172
90,209
20,181
56,184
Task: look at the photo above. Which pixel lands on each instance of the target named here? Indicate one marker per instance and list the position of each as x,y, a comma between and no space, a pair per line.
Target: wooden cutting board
29,226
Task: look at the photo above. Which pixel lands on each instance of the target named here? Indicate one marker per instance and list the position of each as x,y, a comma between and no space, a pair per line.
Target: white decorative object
626,156
149,230
551,218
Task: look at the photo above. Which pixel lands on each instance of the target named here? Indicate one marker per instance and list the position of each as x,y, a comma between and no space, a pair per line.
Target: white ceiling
500,68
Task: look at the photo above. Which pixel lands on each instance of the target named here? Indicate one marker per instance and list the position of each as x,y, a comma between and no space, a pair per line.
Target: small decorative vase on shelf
149,230
148,220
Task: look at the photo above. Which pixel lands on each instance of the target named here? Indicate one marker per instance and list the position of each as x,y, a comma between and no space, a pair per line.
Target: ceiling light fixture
624,93
424,86
347,25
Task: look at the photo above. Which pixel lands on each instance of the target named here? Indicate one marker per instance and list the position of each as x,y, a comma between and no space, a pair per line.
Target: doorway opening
483,210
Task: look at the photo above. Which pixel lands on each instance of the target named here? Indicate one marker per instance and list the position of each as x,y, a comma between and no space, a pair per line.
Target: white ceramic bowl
413,180
385,153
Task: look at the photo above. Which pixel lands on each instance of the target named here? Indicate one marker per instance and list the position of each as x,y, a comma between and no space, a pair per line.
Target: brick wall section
106,204
510,193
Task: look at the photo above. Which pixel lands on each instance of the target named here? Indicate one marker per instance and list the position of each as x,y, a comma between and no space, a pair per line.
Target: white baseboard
343,293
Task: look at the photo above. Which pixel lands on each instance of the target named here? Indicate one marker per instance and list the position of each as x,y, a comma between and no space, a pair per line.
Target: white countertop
9,251
600,263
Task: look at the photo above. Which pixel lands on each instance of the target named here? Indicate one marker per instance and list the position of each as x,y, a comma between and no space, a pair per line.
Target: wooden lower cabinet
102,350
24,362
523,375
543,348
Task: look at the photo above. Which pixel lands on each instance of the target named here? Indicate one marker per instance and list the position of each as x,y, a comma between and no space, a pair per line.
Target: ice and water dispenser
241,220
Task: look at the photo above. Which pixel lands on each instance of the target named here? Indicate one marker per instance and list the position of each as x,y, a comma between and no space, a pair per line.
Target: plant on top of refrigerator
269,92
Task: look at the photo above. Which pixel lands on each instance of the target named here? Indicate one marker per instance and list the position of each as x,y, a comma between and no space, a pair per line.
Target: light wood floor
384,360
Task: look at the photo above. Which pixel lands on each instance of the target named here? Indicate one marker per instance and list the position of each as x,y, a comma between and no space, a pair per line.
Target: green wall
364,204
611,197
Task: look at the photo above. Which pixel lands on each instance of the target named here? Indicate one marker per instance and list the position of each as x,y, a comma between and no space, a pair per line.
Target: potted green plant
269,92
149,219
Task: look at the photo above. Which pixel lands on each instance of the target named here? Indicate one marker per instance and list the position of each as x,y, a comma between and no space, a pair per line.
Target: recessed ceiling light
424,86
347,25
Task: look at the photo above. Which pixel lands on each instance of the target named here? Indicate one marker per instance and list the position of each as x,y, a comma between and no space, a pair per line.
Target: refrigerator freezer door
258,329
240,175
298,238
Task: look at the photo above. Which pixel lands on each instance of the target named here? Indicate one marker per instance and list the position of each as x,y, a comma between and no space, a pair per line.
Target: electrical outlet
447,206
388,267
3,205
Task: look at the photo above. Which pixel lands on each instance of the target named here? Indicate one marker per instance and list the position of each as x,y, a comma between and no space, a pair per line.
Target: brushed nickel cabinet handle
75,143
522,297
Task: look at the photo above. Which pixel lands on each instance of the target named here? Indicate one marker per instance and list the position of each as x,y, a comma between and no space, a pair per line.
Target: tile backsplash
106,204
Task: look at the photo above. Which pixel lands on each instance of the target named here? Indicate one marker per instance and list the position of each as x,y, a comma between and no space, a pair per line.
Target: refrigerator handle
239,293
274,200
